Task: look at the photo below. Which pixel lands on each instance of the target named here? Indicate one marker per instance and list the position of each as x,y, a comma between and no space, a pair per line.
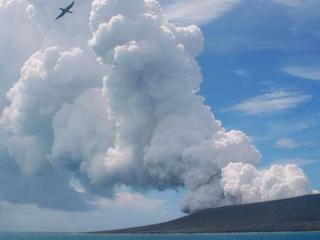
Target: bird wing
61,15
70,6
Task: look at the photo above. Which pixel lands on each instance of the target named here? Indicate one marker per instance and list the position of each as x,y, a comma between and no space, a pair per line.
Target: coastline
285,215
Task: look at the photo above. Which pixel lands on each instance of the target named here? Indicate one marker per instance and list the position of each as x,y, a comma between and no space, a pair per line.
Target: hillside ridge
294,214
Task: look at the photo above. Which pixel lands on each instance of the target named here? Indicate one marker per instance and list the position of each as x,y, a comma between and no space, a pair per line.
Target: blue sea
249,236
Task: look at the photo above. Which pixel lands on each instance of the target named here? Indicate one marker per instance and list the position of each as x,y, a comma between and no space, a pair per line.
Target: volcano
294,214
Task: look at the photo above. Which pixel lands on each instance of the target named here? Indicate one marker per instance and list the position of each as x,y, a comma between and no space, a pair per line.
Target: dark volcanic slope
296,214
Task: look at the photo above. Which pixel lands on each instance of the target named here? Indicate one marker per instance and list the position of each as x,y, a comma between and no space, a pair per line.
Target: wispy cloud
287,143
132,200
298,161
198,12
270,102
290,3
311,73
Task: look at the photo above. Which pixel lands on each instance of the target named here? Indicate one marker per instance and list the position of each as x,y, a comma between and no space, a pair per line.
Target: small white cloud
287,143
270,102
311,73
198,12
241,72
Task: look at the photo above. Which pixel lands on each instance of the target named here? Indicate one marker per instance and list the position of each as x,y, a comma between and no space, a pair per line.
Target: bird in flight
65,10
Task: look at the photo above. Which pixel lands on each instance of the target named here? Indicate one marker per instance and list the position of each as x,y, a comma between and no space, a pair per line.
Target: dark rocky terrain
295,214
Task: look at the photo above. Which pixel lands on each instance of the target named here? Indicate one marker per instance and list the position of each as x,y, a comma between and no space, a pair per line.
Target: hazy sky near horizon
261,75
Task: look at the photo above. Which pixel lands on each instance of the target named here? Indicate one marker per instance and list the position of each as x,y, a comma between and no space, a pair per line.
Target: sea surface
249,236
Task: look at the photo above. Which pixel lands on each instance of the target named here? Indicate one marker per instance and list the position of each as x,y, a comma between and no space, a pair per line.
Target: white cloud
243,183
270,102
19,38
198,12
287,143
311,73
47,84
241,72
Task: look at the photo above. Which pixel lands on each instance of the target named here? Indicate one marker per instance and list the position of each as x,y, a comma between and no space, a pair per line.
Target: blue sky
257,64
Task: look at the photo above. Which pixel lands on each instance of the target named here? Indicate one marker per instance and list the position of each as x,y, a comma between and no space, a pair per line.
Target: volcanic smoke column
166,136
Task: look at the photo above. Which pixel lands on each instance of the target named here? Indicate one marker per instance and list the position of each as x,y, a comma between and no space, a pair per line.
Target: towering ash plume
148,129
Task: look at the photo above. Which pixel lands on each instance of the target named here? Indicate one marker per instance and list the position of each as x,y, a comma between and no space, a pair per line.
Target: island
294,214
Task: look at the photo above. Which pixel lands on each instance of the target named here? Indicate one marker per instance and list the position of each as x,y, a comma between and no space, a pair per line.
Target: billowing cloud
24,171
18,40
79,136
146,129
243,183
270,102
47,83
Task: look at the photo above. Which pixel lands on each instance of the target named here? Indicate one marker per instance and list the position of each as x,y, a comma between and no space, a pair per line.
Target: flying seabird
65,10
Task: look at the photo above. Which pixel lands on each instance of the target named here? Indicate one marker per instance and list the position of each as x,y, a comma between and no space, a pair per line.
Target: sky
255,64
264,54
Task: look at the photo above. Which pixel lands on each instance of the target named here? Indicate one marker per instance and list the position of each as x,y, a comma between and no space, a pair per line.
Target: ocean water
249,236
